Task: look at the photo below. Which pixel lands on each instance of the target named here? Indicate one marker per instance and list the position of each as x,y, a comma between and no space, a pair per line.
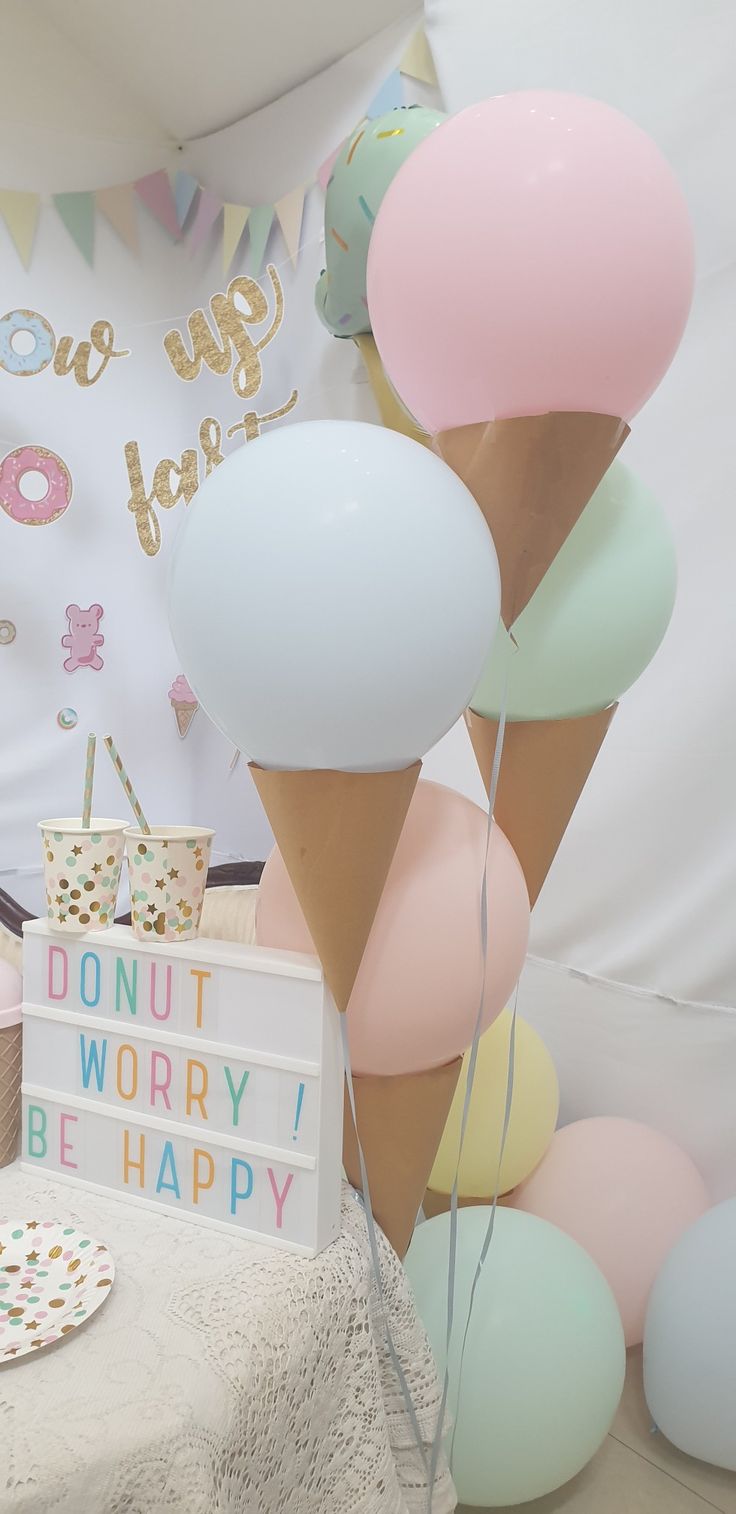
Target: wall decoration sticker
67,718
35,485
28,344
83,638
184,703
7,633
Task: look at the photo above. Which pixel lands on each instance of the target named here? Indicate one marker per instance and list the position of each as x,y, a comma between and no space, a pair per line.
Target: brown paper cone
392,413
337,833
532,477
400,1123
544,769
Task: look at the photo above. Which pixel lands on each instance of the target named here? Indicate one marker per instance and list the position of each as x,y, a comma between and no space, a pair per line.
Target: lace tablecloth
220,1377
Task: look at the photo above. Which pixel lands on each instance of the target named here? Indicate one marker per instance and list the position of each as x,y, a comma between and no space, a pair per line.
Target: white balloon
690,1341
333,594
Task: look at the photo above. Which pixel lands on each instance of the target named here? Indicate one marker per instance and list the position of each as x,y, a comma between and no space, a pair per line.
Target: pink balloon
625,1193
416,997
534,253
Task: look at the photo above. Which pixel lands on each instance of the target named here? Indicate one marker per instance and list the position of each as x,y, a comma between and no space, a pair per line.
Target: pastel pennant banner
155,192
19,209
185,188
289,212
233,226
260,222
209,207
417,62
389,97
118,206
77,211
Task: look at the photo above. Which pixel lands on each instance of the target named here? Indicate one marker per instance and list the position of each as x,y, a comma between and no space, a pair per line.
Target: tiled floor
636,1472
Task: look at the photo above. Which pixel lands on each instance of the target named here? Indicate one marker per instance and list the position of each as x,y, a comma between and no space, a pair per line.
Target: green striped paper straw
127,785
89,774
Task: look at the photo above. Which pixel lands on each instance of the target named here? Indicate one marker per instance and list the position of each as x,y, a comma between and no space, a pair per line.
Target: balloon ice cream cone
392,412
532,477
544,768
400,1125
337,833
184,703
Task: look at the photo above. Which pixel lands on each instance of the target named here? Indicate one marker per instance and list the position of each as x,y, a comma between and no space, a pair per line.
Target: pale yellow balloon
534,1109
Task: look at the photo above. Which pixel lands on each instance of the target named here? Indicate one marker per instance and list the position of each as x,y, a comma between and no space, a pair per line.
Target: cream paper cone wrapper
337,833
400,1124
392,413
544,769
532,477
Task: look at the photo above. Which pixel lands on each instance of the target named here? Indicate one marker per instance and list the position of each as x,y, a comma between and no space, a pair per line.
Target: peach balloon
416,997
625,1193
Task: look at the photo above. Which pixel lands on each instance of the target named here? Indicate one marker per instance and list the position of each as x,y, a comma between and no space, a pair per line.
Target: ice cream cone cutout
400,1124
532,477
392,412
337,833
544,768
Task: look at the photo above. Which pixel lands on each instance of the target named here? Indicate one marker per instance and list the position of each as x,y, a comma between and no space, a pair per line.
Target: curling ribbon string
472,1063
375,1259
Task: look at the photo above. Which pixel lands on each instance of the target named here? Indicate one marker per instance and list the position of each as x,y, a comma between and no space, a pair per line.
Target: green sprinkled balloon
365,167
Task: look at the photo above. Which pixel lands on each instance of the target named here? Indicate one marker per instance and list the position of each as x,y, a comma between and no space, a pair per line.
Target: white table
219,1377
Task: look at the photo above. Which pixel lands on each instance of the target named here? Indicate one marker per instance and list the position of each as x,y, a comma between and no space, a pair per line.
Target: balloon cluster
334,597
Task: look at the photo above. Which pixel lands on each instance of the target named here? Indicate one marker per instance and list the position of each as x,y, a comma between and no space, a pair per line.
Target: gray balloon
690,1341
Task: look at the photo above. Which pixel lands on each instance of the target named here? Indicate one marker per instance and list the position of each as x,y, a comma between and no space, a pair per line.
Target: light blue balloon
690,1340
309,590
598,616
545,1357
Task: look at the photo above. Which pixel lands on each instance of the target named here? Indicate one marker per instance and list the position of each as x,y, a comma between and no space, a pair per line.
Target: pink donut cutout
34,512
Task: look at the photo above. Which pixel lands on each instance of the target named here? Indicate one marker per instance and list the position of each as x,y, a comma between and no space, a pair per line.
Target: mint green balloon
365,167
544,1360
598,615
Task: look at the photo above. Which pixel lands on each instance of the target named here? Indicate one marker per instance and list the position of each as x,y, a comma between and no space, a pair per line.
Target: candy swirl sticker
7,633
35,486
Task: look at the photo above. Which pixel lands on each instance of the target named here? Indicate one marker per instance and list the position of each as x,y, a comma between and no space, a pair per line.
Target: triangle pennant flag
118,207
233,226
19,210
185,188
208,209
154,190
324,173
260,222
289,210
417,61
77,211
389,97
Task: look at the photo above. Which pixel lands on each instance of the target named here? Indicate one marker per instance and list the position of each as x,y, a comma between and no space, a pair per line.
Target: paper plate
52,1277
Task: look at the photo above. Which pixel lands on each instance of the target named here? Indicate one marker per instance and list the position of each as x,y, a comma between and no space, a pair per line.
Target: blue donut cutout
25,364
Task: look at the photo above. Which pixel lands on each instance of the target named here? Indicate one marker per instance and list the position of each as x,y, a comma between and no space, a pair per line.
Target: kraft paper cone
544,769
532,477
337,833
400,1123
439,1203
392,413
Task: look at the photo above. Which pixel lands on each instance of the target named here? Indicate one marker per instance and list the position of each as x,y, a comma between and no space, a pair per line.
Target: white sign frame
202,1080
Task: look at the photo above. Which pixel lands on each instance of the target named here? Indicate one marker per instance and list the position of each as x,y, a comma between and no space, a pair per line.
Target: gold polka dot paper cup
168,876
81,868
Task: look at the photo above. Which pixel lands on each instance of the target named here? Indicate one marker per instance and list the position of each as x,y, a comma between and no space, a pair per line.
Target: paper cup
168,876
81,872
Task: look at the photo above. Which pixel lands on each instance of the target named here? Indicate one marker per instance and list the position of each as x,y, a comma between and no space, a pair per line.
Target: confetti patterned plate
52,1277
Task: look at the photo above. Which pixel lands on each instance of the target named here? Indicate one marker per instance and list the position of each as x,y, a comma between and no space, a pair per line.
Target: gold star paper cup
168,876
81,866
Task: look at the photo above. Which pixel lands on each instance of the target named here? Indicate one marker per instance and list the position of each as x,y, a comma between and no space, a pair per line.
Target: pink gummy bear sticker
84,638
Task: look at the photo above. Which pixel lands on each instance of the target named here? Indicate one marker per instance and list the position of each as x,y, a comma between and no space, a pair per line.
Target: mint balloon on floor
544,1360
